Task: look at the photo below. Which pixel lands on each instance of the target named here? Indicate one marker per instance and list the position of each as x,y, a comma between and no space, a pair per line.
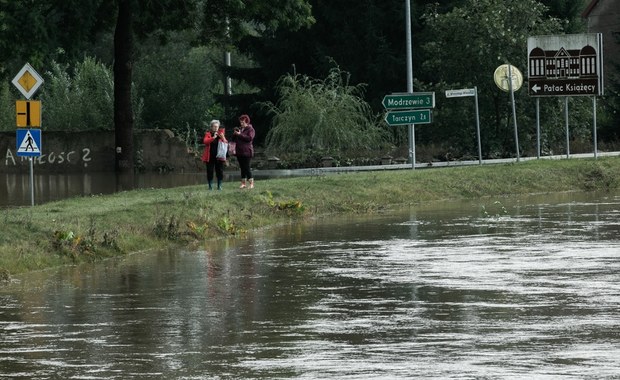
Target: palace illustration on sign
563,63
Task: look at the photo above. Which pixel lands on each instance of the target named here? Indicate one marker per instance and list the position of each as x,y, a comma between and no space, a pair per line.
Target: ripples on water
526,289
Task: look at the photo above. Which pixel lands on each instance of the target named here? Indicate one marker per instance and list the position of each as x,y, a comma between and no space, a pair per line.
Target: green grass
91,228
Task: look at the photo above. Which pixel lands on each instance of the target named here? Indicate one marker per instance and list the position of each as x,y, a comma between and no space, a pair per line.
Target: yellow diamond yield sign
27,81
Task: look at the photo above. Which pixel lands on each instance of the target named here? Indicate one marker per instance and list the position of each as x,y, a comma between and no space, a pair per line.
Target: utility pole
227,63
410,78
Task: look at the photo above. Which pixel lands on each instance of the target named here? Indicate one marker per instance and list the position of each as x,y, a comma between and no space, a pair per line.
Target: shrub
322,115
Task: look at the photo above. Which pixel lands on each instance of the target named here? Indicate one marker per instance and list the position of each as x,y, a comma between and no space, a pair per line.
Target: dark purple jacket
244,147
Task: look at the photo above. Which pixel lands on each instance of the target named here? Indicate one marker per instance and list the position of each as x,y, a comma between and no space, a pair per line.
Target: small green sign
408,117
410,100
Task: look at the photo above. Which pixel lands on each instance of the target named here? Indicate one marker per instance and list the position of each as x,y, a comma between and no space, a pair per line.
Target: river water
15,189
494,288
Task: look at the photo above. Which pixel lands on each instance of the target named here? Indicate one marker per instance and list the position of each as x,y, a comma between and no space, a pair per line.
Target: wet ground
497,288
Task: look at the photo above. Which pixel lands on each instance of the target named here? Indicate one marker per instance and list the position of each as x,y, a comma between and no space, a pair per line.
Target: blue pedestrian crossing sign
28,142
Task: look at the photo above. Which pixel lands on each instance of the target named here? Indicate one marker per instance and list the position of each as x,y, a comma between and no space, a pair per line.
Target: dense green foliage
322,115
178,70
490,33
7,108
177,83
456,44
569,11
84,98
129,19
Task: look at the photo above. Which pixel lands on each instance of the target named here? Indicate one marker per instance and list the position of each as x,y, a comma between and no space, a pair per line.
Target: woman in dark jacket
244,137
209,156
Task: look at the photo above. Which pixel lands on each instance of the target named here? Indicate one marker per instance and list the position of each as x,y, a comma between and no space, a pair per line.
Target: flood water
15,188
485,289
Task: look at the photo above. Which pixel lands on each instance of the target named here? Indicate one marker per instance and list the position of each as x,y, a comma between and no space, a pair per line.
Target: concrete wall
93,151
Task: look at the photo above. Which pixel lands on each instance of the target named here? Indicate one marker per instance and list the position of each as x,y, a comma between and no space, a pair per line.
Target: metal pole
566,121
31,182
410,78
538,128
594,136
514,112
228,81
478,126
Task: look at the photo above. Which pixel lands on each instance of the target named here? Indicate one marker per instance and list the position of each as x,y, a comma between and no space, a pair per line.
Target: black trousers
244,165
218,167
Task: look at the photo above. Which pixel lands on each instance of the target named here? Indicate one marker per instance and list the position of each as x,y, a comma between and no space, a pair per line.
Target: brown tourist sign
565,65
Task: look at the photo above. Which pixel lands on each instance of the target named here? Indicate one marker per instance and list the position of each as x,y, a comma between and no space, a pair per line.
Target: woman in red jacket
209,156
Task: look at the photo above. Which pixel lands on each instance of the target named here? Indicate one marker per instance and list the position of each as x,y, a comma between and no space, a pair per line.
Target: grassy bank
91,228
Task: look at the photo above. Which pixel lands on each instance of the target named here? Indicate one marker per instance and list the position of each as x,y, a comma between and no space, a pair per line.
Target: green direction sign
408,117
410,100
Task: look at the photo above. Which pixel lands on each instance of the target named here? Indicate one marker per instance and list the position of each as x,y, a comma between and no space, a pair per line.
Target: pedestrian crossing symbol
28,142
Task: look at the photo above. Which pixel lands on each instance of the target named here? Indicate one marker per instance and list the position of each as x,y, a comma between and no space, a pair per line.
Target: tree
365,38
322,115
177,83
162,15
228,21
80,98
73,24
464,47
42,31
154,16
234,26
569,11
123,65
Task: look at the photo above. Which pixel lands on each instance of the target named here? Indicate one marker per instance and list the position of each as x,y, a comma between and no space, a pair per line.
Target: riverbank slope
92,228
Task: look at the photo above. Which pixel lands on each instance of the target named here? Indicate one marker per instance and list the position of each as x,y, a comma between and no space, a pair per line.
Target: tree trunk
123,113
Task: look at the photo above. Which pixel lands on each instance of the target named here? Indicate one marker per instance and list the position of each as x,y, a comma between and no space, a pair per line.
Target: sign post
508,78
566,65
406,117
27,81
409,108
409,49
470,92
28,140
414,100
514,111
28,113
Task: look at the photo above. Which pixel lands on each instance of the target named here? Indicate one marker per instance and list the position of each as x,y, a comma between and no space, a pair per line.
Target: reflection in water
15,188
518,288
52,187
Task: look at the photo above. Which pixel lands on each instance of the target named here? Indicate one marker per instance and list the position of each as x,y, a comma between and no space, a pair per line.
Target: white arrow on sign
536,88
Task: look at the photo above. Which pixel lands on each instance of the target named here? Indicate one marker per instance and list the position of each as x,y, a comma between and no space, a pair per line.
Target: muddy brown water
15,188
499,288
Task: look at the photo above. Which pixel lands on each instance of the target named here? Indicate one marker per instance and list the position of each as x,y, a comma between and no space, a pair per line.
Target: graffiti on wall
93,151
82,157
